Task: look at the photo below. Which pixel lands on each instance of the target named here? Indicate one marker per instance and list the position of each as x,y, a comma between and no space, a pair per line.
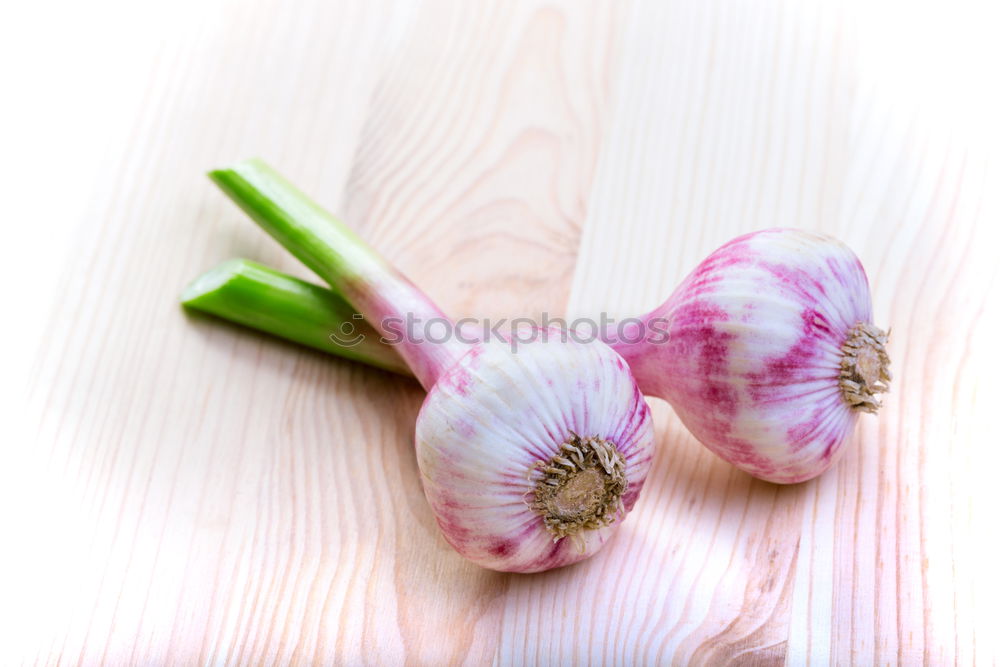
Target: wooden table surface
191,492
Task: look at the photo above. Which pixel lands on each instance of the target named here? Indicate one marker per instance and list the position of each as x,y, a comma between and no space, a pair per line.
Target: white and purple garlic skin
529,454
771,354
530,459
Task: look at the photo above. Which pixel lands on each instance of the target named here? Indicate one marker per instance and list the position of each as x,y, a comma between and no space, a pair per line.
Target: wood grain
480,150
195,493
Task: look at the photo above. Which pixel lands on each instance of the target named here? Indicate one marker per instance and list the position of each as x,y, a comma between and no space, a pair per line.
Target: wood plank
474,167
842,133
472,174
170,529
730,118
893,573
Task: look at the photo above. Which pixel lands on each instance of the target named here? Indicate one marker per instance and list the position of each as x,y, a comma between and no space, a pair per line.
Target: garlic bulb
528,459
528,454
770,354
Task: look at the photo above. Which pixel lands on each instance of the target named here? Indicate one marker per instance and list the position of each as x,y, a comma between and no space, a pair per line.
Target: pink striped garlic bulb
770,354
529,457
